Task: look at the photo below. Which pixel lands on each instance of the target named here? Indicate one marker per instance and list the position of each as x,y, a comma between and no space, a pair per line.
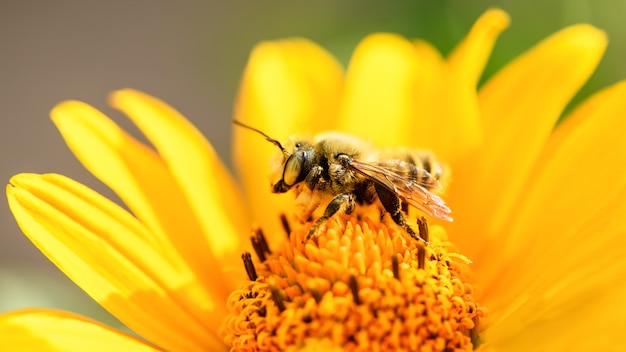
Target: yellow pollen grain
356,286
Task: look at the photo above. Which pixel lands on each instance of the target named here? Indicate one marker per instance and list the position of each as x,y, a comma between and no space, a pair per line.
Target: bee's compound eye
293,167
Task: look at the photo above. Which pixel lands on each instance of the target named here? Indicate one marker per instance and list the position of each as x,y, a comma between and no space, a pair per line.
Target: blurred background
191,54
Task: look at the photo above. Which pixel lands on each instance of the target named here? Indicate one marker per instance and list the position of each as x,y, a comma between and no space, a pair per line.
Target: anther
395,266
262,311
422,227
249,265
297,294
317,295
354,287
263,240
285,222
277,298
259,243
421,256
476,340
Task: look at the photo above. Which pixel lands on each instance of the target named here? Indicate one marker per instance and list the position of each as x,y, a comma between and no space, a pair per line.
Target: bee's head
295,161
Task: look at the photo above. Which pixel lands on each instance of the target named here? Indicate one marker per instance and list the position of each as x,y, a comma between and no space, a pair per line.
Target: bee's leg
313,177
392,204
307,197
344,202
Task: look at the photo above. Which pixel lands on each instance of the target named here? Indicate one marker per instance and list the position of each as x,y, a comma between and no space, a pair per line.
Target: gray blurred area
191,54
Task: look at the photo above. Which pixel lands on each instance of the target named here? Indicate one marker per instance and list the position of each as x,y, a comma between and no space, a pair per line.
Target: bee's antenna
268,138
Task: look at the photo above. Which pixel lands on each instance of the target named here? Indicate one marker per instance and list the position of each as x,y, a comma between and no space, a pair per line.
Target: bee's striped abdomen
419,166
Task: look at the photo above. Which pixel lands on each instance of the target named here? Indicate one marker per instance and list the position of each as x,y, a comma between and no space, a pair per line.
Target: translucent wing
413,191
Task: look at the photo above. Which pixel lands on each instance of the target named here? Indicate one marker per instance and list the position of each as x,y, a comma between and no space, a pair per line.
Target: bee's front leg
393,206
307,197
306,202
313,177
344,202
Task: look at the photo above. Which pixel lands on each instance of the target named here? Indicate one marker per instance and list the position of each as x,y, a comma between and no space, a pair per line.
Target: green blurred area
213,40
340,26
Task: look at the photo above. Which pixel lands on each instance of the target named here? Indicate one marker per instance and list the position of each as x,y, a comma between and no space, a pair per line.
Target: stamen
422,227
249,265
277,297
285,222
354,287
395,266
317,295
302,291
259,243
262,311
421,256
474,335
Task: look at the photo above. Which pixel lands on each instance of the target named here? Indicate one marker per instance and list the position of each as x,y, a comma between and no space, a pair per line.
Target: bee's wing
409,190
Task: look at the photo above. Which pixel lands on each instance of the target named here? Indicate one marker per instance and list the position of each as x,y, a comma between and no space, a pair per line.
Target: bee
345,171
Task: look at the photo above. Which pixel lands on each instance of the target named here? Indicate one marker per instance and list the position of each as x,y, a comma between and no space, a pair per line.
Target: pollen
360,285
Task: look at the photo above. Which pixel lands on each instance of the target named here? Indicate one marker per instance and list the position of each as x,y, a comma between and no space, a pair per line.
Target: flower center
360,285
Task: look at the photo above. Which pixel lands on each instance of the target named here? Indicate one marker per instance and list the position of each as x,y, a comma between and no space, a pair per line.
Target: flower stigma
361,284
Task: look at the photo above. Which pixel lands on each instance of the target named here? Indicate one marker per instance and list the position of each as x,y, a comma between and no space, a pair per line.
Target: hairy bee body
416,165
345,171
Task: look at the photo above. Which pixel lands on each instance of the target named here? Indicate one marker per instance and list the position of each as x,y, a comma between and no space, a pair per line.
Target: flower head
363,285
530,262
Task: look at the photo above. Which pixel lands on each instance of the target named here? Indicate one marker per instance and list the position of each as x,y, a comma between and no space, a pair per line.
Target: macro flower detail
361,285
532,260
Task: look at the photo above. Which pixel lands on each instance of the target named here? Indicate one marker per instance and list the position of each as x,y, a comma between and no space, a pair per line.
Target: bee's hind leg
393,205
344,202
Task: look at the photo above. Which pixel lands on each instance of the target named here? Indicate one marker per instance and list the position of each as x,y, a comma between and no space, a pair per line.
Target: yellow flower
537,209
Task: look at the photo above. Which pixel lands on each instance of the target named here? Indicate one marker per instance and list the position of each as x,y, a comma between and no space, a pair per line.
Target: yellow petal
447,117
288,87
140,178
105,251
205,182
51,330
458,118
593,323
520,105
429,125
378,102
470,56
566,242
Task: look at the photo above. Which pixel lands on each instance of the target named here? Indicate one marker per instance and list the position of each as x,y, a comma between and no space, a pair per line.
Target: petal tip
383,48
384,40
64,109
268,49
496,19
587,34
117,96
581,36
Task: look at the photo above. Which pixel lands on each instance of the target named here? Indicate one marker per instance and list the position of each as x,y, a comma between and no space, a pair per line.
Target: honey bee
346,171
